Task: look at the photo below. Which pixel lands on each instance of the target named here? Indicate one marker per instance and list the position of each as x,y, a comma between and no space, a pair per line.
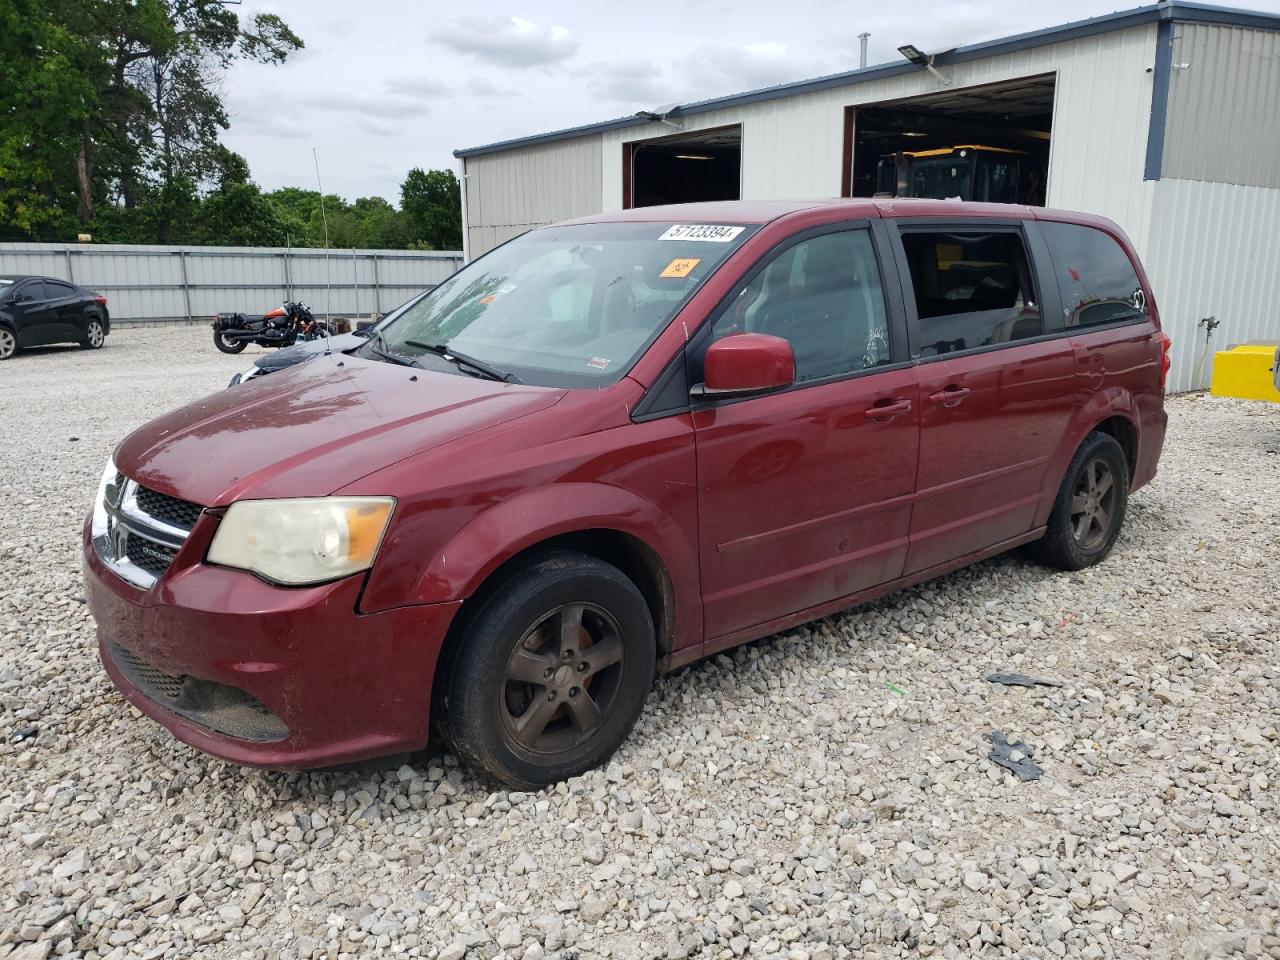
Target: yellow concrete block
1245,372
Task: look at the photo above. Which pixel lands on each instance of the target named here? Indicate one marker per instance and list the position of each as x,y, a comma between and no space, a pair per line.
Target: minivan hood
314,428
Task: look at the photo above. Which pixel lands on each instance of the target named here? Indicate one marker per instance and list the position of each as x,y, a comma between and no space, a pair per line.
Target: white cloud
715,71
510,42
704,72
418,87
636,83
484,87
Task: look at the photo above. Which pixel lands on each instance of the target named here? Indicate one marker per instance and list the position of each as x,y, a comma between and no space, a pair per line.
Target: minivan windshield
563,306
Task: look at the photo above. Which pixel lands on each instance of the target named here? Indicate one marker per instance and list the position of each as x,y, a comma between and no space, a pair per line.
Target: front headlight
302,541
109,490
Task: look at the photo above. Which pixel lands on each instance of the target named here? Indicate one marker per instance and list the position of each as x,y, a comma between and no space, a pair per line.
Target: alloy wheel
561,679
96,336
8,343
1093,504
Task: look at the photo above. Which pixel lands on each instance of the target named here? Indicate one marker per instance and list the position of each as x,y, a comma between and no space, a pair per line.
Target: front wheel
94,335
228,346
1090,507
8,343
551,673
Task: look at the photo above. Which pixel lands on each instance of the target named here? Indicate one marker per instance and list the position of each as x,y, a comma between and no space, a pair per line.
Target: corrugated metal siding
1214,250
1209,248
793,147
148,283
509,193
1223,122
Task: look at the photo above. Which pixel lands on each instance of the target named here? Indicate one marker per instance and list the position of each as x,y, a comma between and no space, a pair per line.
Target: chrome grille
143,531
151,557
170,510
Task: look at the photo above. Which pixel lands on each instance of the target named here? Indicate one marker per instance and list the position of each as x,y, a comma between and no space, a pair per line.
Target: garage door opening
686,168
978,143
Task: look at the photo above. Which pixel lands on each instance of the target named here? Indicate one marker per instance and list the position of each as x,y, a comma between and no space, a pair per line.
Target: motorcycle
282,327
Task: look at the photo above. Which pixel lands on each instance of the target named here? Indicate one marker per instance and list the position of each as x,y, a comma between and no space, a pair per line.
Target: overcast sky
386,85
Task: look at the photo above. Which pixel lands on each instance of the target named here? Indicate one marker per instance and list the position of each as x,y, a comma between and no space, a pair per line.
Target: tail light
1166,362
99,299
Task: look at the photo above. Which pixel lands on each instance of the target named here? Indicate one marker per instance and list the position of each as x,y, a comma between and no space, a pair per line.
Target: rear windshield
567,306
1095,276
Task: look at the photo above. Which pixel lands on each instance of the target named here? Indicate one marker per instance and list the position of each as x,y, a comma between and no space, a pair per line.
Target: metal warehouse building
1165,118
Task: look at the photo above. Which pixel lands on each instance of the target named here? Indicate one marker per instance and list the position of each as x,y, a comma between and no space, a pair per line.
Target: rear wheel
94,335
1090,507
8,343
228,346
551,673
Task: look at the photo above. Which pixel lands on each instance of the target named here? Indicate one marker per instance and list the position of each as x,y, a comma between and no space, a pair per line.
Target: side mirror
744,364
21,297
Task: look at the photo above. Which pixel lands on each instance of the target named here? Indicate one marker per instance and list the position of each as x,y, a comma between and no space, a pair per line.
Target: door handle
950,397
884,410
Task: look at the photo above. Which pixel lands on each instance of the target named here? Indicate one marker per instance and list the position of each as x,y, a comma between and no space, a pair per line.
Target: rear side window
972,289
1097,280
56,289
823,296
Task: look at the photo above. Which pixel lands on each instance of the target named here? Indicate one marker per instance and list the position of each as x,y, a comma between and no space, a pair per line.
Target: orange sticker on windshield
680,268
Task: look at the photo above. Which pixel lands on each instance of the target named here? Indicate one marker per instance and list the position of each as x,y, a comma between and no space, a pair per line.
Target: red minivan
611,447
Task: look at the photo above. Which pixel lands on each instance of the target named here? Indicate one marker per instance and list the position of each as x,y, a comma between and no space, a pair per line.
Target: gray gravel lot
824,793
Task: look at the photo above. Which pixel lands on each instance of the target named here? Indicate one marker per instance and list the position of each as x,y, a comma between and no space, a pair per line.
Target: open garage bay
824,793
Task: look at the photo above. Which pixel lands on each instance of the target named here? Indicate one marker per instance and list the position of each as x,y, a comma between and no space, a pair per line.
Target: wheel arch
610,523
1125,432
637,560
1110,411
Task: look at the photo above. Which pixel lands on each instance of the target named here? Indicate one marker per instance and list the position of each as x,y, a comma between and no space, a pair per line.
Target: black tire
1085,521
8,343
95,335
228,346
526,626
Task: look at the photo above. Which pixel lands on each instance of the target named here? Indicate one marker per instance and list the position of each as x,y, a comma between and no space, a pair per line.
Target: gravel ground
823,793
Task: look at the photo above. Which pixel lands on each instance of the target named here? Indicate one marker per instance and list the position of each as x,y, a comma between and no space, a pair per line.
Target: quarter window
1095,275
823,295
972,289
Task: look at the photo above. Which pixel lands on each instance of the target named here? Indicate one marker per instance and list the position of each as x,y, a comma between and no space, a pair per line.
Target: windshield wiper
386,354
485,369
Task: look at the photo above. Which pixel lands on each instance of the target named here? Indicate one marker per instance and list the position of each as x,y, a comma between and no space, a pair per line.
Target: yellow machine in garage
1248,371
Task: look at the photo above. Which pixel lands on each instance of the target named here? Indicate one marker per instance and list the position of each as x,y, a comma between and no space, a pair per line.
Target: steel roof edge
1178,10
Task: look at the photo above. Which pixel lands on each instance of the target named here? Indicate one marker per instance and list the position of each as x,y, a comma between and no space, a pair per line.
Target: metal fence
181,283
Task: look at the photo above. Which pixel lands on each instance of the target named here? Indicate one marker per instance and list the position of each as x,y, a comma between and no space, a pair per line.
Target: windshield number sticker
704,232
600,363
679,268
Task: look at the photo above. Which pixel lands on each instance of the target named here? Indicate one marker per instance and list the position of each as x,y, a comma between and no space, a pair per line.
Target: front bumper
330,685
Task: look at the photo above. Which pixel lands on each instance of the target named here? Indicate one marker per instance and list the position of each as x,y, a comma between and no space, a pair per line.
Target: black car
38,310
289,356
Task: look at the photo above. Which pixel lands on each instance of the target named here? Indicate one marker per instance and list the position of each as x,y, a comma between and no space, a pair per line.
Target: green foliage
111,113
370,222
432,203
44,103
110,123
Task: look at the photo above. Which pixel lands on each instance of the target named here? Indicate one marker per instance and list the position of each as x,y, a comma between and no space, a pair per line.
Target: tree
117,101
163,108
238,215
45,100
432,203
